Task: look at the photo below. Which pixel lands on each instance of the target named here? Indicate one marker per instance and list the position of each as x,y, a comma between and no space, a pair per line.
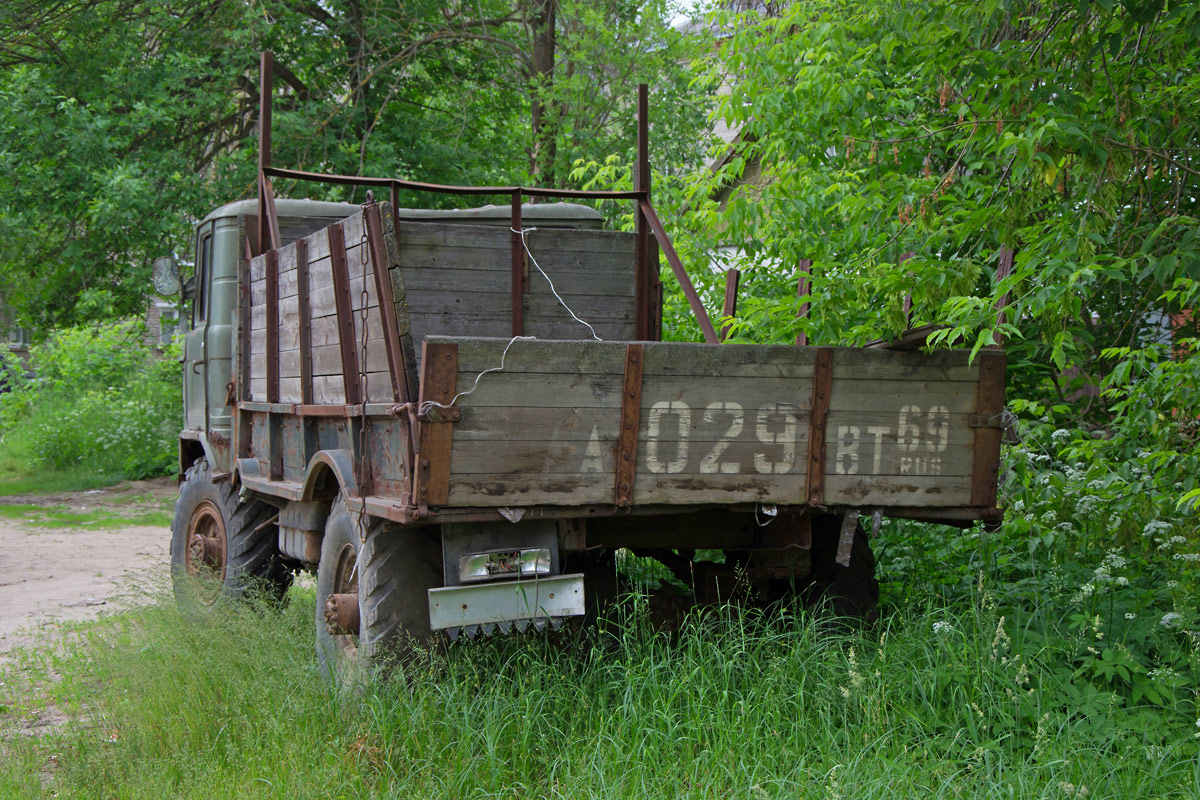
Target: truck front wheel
219,544
372,591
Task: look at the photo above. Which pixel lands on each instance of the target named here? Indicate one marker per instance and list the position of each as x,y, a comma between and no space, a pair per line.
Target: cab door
195,343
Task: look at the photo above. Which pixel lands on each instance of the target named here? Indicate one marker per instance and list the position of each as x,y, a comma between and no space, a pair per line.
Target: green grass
64,517
731,705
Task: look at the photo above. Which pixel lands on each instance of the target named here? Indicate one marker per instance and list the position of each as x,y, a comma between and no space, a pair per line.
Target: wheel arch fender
329,472
194,445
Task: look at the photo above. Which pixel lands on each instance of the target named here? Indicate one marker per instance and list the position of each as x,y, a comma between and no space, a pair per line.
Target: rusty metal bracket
989,402
803,288
439,380
846,539
438,414
625,455
822,388
985,421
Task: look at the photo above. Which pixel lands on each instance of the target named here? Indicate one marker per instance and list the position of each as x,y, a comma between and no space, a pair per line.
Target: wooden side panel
716,425
899,429
319,322
458,281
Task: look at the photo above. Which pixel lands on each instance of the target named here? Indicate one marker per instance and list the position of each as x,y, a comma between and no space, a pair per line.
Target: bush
94,398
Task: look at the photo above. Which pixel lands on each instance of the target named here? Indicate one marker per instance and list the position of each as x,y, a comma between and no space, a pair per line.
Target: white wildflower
1155,527
1193,557
1130,615
941,628
1171,620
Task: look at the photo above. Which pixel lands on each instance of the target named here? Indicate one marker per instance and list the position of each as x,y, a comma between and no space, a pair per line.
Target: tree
126,120
1064,130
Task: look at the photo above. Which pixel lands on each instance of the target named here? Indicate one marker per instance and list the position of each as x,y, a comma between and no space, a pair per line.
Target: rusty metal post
729,310
266,82
907,295
1003,270
518,268
641,183
689,291
803,288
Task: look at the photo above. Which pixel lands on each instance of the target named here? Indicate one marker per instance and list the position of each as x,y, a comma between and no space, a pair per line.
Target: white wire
428,404
562,302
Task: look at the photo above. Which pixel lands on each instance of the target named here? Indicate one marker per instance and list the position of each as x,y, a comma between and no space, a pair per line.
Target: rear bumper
507,601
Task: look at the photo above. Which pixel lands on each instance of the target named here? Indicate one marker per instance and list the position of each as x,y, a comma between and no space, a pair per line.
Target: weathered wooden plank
539,390
324,299
568,490
573,490
426,325
954,396
497,239
668,455
885,371
672,455
523,490
668,359
271,320
495,305
857,434
327,359
329,390
289,390
930,491
446,278
352,388
304,322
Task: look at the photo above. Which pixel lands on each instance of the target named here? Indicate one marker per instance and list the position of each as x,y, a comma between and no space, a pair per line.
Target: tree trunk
542,23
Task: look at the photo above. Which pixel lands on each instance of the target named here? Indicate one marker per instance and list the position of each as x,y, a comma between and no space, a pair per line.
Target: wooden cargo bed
572,422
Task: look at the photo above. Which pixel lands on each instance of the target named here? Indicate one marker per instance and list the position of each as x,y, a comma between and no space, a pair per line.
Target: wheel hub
341,607
206,546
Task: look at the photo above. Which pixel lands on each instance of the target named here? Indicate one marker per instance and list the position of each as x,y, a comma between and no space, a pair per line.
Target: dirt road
69,557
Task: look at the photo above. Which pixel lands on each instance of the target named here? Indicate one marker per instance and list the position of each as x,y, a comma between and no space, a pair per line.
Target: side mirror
166,276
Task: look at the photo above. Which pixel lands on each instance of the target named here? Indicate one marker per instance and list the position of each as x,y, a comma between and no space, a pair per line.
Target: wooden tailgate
717,424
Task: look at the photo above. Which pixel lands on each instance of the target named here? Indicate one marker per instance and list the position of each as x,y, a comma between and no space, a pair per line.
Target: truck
456,418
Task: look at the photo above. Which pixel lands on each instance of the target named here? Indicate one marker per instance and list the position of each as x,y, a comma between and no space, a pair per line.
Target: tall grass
733,704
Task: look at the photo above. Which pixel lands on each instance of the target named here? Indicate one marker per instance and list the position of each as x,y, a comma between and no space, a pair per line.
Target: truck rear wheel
850,592
219,545
372,592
